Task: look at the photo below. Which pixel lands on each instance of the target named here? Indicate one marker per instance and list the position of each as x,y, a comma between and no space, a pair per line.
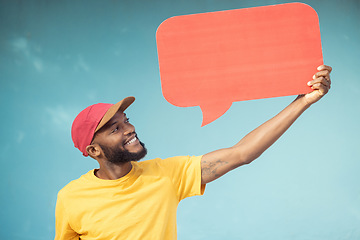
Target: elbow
247,161
243,156
247,158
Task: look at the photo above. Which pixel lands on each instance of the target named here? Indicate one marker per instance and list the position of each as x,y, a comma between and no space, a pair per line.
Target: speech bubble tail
212,112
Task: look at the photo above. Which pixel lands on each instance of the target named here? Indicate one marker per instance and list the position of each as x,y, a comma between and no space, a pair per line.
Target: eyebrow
112,124
115,122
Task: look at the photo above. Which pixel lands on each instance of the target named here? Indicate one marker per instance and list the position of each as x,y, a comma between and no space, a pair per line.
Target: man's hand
217,163
321,84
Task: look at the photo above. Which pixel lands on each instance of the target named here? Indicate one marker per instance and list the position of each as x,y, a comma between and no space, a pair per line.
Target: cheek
115,141
120,143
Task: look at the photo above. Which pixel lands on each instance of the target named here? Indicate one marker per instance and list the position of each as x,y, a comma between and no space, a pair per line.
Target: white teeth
131,141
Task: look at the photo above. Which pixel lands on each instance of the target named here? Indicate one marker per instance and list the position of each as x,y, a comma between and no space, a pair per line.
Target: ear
93,150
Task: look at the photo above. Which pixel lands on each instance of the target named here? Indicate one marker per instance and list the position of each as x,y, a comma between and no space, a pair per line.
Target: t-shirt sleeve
63,229
185,173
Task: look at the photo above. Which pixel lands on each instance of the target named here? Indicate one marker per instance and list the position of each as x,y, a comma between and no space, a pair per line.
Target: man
126,199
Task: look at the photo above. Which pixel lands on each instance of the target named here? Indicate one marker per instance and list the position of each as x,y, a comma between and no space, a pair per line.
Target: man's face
119,141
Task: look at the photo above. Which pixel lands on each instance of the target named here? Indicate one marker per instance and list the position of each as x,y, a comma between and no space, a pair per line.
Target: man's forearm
217,163
256,142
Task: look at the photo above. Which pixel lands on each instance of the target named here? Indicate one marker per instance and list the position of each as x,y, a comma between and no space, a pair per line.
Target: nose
129,129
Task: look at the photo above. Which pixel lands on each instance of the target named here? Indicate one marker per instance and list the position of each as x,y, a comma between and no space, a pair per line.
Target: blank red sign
214,59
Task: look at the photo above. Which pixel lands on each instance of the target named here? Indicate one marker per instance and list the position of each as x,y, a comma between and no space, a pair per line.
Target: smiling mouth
131,140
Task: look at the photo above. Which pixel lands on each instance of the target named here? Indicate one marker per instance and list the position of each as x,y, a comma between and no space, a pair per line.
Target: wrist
302,101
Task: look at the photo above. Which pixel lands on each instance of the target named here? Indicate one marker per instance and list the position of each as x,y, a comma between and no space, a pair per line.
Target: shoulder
179,160
171,164
74,185
169,161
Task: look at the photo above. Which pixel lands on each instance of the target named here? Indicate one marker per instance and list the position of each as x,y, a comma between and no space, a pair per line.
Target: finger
324,67
321,88
318,85
320,80
323,73
325,79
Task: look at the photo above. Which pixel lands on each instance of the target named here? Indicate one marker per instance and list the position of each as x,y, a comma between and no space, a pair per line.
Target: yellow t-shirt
140,205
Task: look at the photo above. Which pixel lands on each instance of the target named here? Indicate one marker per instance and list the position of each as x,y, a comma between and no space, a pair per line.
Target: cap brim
122,105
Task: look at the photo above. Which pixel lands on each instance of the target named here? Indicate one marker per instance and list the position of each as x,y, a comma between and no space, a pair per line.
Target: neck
113,171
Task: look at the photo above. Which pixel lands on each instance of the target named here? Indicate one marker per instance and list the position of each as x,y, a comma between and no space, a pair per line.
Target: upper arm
184,173
62,227
217,163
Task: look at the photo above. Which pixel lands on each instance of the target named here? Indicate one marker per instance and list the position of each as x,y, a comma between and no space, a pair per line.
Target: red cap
91,119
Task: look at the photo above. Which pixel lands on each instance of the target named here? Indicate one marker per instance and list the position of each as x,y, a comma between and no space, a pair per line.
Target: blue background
58,57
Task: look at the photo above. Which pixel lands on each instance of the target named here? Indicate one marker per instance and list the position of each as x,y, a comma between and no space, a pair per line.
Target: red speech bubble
214,59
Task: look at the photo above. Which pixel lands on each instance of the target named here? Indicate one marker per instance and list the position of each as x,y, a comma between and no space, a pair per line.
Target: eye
115,129
127,120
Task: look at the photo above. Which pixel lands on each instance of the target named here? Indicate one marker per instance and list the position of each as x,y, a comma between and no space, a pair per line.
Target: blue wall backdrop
57,57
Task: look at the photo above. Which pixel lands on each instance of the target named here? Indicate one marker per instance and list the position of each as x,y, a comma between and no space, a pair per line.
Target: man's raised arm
217,163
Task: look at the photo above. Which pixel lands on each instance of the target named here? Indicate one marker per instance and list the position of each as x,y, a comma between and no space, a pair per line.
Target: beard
116,155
